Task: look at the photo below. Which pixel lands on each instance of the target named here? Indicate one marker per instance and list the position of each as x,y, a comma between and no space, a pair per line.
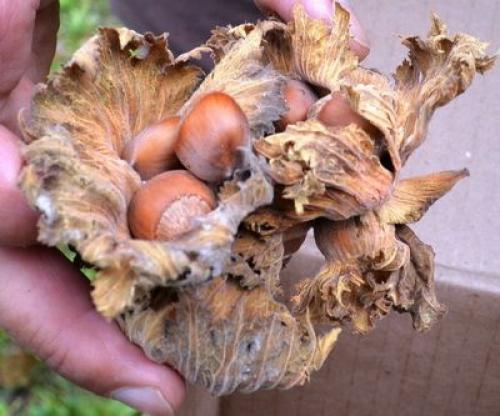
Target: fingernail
148,400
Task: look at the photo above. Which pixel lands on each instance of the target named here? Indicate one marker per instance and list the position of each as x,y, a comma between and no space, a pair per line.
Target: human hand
44,302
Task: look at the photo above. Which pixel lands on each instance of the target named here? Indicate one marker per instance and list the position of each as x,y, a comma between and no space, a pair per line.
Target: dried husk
210,304
438,69
75,177
412,197
361,254
317,163
77,180
226,338
375,263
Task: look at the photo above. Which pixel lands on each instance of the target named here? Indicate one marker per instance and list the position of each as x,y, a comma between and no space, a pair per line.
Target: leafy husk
210,303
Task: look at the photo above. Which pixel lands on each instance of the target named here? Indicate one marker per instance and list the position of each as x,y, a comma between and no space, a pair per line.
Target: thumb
17,219
45,306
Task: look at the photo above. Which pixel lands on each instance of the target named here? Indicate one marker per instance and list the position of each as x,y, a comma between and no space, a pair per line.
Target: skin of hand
45,302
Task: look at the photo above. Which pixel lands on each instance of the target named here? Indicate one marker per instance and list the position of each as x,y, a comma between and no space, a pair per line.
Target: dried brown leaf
257,261
354,285
320,51
439,69
412,197
329,172
227,338
17,368
76,179
267,221
415,291
372,96
223,39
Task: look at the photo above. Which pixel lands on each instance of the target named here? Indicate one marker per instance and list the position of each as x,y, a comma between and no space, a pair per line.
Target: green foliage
4,342
64,399
47,394
68,253
51,395
72,256
79,20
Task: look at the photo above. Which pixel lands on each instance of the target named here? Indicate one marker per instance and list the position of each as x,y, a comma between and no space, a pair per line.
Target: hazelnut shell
211,137
148,215
152,151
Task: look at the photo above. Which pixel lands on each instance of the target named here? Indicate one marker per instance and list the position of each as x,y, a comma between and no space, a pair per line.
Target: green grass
43,393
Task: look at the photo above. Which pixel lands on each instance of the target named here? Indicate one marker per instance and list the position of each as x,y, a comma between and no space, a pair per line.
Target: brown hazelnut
152,151
298,98
164,207
294,237
338,113
210,136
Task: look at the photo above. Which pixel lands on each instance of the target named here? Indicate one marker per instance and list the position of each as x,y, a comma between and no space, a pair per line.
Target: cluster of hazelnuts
179,172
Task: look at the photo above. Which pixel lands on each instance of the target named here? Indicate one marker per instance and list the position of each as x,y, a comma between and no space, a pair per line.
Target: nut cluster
287,134
207,142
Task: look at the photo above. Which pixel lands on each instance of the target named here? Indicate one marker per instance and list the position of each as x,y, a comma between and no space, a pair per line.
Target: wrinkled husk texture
211,304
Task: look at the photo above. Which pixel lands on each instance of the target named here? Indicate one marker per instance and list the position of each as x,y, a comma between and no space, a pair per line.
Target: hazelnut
294,237
152,151
338,113
164,207
210,135
299,98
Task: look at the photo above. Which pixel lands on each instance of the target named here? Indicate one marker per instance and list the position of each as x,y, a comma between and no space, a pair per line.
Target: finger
17,219
28,31
17,21
321,9
45,305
